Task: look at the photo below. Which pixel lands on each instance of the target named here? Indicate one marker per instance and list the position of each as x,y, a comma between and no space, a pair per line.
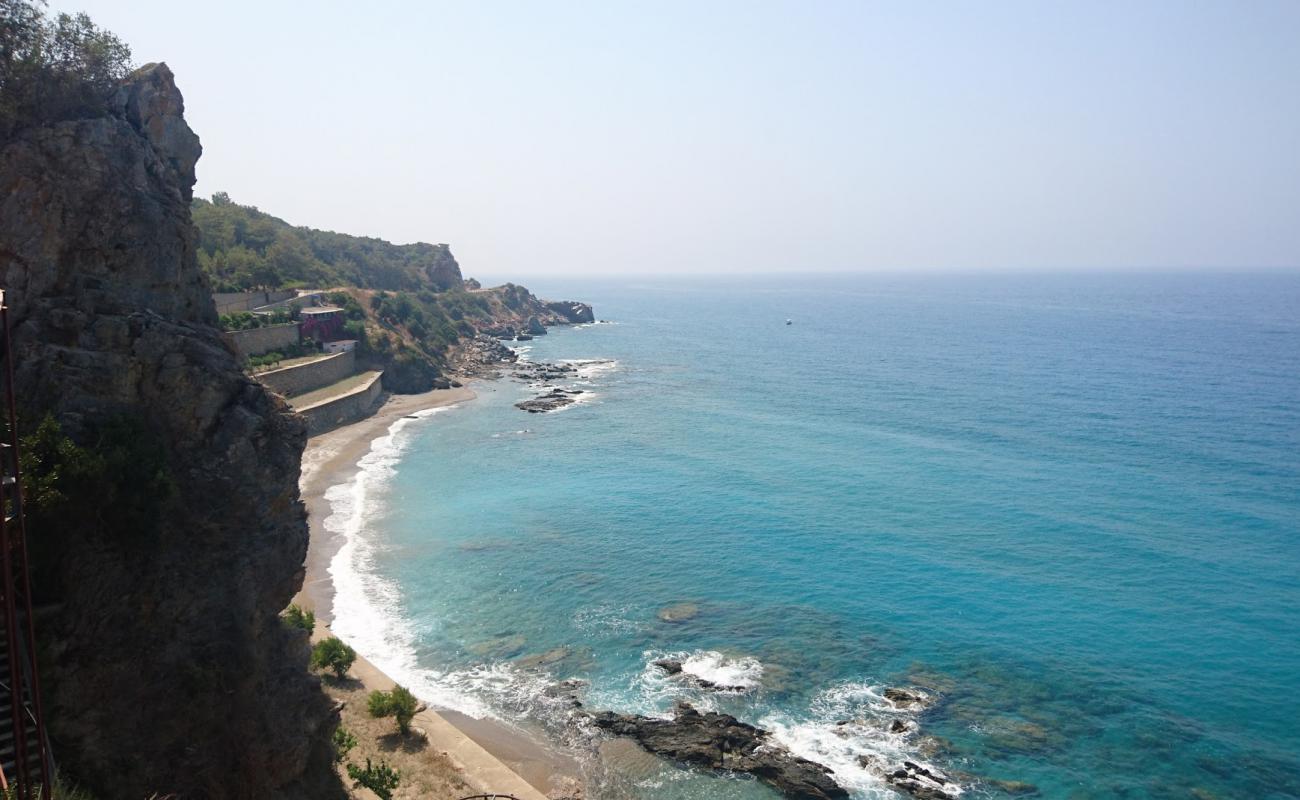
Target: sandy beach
481,755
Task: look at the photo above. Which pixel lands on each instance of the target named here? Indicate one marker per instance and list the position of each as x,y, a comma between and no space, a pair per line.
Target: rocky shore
722,742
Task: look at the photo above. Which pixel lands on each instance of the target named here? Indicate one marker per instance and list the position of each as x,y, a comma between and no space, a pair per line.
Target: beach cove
462,756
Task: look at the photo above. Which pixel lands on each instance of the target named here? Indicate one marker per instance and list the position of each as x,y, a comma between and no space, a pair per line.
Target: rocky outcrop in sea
722,742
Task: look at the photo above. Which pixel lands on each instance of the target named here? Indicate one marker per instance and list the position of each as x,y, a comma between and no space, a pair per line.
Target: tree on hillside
54,69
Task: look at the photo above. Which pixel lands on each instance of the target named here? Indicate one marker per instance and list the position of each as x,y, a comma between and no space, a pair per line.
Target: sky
552,138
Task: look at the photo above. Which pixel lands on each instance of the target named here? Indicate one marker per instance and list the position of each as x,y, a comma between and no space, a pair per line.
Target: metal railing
24,685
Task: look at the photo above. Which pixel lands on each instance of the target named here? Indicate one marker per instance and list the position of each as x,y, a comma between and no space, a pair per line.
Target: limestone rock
168,668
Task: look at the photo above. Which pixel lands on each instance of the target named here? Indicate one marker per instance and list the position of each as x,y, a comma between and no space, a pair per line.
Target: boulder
669,665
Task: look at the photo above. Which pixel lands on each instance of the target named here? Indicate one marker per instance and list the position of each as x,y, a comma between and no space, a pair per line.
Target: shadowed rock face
720,741
166,667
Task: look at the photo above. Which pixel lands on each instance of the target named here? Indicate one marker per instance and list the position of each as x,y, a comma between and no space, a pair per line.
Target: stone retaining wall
300,378
256,341
230,302
354,405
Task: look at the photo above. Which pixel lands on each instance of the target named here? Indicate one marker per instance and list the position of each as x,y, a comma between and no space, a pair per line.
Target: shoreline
490,756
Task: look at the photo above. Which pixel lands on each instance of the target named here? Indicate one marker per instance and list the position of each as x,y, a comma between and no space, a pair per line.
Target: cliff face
167,669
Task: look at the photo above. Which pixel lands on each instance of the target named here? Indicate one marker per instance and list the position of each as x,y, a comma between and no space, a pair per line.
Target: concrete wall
229,302
354,405
300,378
257,341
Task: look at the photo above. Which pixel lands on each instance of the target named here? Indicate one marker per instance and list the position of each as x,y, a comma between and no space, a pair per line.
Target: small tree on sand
333,654
399,704
343,741
381,780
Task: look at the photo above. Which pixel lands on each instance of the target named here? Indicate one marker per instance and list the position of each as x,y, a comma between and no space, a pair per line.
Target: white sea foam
606,620
589,368
368,607
846,725
730,675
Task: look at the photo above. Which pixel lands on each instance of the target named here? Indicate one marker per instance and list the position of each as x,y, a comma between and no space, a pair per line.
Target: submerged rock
537,660
1021,788
722,742
502,646
679,612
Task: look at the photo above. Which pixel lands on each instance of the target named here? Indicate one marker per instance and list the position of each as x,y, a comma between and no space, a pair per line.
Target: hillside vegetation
242,248
407,305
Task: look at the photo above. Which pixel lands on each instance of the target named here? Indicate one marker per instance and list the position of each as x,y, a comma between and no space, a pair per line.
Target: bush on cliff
334,655
399,704
55,69
123,467
300,619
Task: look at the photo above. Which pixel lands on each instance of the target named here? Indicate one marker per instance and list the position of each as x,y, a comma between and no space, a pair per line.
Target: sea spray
368,607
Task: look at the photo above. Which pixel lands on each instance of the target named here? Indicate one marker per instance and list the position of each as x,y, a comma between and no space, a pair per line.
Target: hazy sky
560,137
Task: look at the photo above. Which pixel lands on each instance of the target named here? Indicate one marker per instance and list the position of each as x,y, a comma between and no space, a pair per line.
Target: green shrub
122,467
296,617
333,654
240,321
381,780
343,741
399,704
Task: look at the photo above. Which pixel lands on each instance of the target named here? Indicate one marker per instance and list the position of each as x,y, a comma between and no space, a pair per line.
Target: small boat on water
789,322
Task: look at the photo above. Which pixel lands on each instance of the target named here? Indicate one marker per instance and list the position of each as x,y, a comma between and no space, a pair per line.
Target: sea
1063,509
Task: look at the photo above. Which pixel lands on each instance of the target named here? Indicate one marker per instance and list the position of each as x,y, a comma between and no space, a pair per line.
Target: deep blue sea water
1068,507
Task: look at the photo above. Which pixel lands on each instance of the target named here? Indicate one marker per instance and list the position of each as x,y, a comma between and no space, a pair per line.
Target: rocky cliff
167,669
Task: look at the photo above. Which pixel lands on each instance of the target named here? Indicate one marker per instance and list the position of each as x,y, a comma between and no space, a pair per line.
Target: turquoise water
1068,506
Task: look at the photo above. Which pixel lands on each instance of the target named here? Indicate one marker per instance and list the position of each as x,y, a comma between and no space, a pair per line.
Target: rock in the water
538,660
572,311
905,697
535,327
669,665
921,782
722,742
679,612
566,691
550,401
